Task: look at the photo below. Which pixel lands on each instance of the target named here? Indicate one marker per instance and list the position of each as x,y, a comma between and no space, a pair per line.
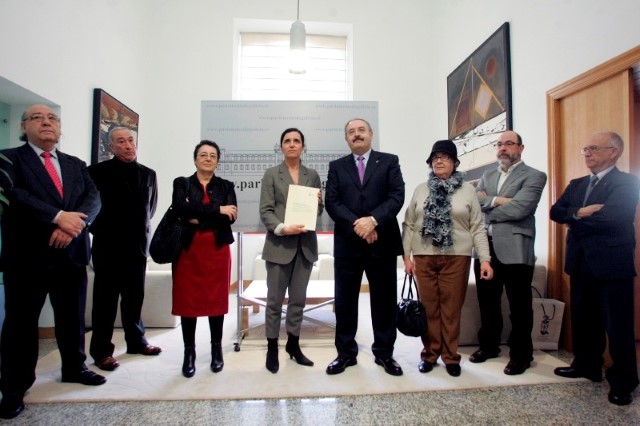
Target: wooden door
599,99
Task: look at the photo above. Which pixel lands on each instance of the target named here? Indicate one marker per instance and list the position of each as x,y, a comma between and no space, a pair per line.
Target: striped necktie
592,184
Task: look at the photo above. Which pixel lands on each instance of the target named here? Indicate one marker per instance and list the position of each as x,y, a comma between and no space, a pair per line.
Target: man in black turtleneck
129,194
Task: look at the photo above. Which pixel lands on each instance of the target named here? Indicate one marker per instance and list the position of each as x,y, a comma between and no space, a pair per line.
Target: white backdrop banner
248,133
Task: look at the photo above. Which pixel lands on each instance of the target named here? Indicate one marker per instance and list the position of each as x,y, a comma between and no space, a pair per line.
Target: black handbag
166,243
411,319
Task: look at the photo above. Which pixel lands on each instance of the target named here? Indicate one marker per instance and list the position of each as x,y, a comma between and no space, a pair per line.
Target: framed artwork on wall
108,112
479,103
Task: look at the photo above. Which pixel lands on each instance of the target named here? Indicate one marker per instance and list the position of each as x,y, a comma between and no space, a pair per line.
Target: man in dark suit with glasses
45,251
599,211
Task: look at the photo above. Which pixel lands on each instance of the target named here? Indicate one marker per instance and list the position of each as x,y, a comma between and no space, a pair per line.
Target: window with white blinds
264,68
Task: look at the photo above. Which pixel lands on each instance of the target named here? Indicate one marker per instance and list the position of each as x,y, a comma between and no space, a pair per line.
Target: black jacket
187,202
129,194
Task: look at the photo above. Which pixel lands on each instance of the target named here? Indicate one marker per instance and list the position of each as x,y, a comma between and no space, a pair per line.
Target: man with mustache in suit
364,194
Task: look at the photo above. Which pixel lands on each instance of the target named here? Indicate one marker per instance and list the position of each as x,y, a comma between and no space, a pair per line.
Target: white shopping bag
547,323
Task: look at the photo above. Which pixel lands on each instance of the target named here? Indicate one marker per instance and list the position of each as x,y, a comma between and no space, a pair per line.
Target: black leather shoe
84,377
425,366
573,373
11,406
620,398
453,369
340,364
481,356
514,368
390,366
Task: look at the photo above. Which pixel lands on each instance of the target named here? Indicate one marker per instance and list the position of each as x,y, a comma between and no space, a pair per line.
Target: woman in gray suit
289,249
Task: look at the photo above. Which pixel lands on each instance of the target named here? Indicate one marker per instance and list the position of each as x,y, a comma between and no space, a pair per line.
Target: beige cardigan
468,226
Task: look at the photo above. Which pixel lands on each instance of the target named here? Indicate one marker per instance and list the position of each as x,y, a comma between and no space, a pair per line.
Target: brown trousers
442,285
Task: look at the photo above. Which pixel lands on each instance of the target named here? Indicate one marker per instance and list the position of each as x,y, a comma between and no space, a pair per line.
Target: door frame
610,68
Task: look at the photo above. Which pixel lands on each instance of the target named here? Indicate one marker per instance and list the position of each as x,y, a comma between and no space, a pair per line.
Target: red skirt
201,278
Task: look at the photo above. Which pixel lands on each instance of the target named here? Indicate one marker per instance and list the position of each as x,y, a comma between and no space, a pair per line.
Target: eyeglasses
204,156
441,157
39,118
507,143
594,148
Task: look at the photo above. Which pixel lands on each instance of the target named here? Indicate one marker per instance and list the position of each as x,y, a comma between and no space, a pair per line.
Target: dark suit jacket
273,201
27,223
129,194
381,196
607,238
187,201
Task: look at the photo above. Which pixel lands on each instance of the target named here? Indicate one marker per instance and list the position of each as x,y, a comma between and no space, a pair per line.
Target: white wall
162,57
551,42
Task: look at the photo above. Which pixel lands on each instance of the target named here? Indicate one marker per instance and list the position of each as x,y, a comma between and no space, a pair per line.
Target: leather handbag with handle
411,319
166,243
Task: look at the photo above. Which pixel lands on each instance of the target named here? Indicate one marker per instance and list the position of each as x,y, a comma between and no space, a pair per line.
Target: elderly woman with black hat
442,224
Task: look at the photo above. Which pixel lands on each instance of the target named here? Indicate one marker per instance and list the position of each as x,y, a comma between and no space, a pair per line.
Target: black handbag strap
412,284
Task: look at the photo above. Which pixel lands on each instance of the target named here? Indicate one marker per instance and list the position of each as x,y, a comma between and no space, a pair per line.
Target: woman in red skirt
201,276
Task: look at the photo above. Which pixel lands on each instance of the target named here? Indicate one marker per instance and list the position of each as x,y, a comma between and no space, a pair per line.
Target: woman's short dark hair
291,129
208,143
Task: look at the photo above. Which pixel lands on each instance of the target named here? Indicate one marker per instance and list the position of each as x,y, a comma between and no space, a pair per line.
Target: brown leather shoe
108,363
145,350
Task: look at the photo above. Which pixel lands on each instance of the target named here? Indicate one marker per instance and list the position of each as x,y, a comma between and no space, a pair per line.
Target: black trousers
382,277
117,275
26,289
516,280
601,308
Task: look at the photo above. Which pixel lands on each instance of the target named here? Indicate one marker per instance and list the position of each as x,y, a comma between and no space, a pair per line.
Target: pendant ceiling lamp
297,45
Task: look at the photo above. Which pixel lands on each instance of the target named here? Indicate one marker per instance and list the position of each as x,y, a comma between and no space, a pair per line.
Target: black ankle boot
293,349
273,364
216,357
189,363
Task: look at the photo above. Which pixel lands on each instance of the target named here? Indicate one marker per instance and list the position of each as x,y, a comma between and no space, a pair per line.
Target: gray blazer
273,200
513,225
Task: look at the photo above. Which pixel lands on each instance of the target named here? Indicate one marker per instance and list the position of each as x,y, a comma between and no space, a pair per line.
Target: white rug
245,376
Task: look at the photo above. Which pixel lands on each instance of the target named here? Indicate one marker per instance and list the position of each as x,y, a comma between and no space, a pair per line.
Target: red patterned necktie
53,174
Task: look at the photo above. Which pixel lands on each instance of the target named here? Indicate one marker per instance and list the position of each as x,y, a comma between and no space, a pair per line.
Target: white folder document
302,207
